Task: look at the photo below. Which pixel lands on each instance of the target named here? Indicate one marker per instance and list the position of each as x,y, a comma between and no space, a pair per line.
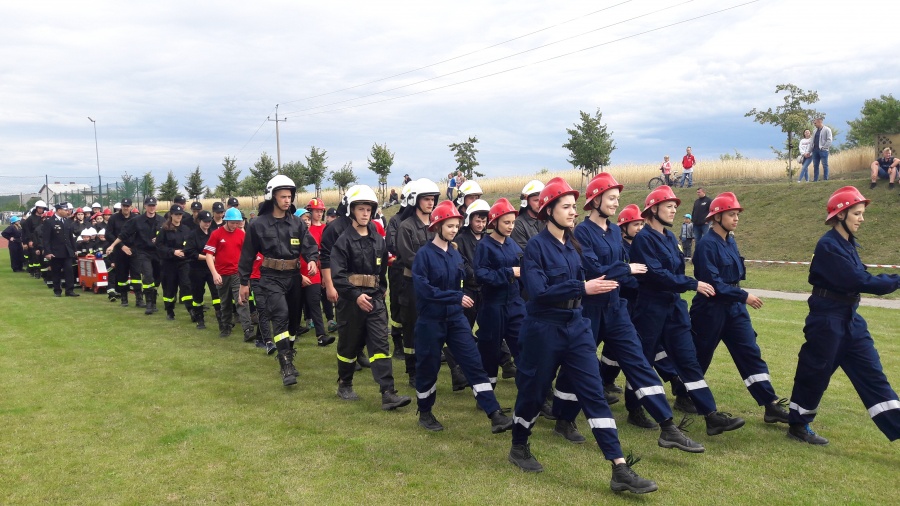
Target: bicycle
675,177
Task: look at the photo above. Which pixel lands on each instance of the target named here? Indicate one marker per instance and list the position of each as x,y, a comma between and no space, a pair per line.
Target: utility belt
363,280
279,264
846,298
569,304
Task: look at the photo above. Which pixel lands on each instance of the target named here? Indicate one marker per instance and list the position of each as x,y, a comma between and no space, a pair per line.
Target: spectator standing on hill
805,155
699,212
451,185
820,146
885,168
687,236
666,169
687,163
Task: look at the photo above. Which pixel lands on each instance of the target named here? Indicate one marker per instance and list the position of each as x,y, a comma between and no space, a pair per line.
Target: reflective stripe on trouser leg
378,346
409,328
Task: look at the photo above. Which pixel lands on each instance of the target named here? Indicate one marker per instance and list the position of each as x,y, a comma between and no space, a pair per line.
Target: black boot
624,478
500,422
718,422
521,456
671,436
803,432
139,300
390,400
199,318
638,418
286,361
124,297
685,404
569,431
458,379
345,391
509,369
775,412
190,311
151,302
429,422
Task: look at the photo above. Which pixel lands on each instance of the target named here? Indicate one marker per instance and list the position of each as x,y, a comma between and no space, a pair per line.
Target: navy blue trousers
455,332
568,346
496,323
843,340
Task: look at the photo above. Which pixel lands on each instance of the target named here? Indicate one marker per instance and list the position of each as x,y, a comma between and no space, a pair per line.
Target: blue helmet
14,219
233,214
300,212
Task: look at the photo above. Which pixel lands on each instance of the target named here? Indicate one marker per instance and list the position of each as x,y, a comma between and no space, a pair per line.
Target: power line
670,25
496,59
460,56
251,137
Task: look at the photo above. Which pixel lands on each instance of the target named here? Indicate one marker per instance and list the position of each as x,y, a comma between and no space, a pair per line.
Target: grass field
103,405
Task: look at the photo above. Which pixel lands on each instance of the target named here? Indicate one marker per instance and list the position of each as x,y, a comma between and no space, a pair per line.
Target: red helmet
598,186
843,199
95,216
722,203
315,204
554,189
47,214
631,213
658,196
107,212
500,208
443,211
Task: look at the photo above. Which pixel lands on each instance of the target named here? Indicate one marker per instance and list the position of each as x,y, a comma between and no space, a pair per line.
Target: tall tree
344,177
169,189
380,163
194,185
590,144
129,188
297,172
316,168
148,184
262,171
230,179
464,154
793,118
877,116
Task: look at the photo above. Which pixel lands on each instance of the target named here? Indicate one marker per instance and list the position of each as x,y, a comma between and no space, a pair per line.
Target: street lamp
97,150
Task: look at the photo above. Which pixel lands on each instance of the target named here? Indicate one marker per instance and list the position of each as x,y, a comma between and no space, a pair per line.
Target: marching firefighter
724,317
437,276
836,335
555,335
396,280
176,267
527,223
224,250
200,276
59,250
121,260
359,274
281,238
13,234
139,241
661,315
29,224
412,234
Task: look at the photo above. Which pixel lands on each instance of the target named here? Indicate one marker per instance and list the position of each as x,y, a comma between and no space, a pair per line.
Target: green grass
103,405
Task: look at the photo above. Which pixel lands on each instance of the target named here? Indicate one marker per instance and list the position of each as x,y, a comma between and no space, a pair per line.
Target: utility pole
277,136
97,150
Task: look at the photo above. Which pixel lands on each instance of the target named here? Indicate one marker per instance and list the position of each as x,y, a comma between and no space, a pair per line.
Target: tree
728,156
169,189
247,186
877,116
344,177
230,180
464,154
315,168
590,144
130,186
262,171
380,163
148,184
792,117
209,193
194,185
297,172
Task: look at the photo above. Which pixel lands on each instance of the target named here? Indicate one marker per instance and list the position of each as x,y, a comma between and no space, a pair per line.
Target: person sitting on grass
885,167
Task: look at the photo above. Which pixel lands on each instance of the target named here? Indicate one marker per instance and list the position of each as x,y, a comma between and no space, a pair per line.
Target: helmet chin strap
600,211
657,218
847,229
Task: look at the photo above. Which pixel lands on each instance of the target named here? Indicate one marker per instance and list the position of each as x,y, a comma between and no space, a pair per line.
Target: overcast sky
173,85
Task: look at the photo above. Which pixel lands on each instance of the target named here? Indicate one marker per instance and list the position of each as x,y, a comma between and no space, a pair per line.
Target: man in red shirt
312,293
688,163
223,250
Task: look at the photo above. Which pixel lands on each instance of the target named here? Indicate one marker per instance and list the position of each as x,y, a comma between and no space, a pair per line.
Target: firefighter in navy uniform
139,241
724,317
412,234
281,238
556,336
171,244
836,335
359,274
121,260
59,249
437,274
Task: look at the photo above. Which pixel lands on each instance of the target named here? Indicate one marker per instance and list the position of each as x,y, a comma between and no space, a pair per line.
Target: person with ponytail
661,316
836,335
175,266
556,336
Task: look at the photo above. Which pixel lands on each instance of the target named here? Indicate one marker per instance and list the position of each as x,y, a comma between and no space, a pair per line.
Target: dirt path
865,301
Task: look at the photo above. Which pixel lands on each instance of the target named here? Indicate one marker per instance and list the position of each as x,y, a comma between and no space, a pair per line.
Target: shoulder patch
295,241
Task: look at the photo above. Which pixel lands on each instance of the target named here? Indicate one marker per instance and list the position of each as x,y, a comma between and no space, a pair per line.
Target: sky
174,85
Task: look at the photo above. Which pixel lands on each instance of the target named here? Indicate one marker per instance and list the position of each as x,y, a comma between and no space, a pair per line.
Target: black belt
569,304
847,298
736,285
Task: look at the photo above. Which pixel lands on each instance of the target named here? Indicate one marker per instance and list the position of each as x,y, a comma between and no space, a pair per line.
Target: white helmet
69,206
40,203
361,194
95,204
117,206
533,187
420,188
102,231
280,182
404,193
468,188
479,206
88,232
